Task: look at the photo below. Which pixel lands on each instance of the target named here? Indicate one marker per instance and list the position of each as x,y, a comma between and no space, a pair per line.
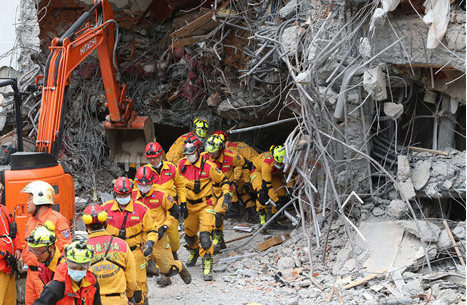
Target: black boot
234,211
194,254
207,267
174,254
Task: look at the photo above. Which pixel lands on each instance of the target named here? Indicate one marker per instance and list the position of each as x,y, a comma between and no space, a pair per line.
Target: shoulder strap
124,220
106,258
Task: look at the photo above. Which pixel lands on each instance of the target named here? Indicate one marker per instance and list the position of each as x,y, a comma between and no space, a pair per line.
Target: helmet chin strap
51,255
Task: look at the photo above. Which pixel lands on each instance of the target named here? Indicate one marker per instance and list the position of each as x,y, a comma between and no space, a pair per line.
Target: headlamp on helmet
191,145
201,128
153,149
122,185
214,144
94,213
78,252
278,153
42,236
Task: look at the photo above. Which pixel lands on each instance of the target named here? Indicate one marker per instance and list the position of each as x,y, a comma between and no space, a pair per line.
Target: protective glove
245,187
147,248
226,201
183,210
161,231
233,186
131,301
9,258
263,197
218,220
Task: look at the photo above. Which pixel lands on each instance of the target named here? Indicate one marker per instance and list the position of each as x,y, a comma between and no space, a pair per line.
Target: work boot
194,254
185,275
234,211
151,269
207,267
163,281
251,216
175,255
218,241
277,225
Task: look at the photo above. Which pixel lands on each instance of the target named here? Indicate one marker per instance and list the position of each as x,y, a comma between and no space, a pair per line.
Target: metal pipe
262,126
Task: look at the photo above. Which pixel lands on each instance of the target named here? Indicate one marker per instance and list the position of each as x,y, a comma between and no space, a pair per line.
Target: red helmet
144,175
153,149
123,185
94,213
222,134
191,145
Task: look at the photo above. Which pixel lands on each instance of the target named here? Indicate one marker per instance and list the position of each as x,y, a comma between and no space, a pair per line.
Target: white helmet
43,193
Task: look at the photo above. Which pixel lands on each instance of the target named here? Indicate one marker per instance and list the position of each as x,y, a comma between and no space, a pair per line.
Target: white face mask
279,166
160,164
144,188
192,158
124,200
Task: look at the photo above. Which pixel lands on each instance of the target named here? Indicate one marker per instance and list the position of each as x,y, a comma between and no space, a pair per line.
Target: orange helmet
123,185
144,175
94,213
153,149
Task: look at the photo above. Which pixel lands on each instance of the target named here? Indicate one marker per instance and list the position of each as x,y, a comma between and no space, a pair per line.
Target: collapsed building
368,97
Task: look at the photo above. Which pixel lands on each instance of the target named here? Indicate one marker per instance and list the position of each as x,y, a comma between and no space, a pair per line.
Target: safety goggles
37,250
152,152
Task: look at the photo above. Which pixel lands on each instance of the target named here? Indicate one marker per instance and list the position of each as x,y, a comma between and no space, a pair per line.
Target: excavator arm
126,131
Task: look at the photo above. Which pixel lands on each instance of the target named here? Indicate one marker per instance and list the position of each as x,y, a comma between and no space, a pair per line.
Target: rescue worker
132,222
231,165
41,198
266,179
201,128
113,262
164,211
41,243
73,282
196,202
243,188
10,253
165,177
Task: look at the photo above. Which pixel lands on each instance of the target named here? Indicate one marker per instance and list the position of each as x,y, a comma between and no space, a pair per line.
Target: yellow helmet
201,127
79,252
214,143
278,153
42,236
43,193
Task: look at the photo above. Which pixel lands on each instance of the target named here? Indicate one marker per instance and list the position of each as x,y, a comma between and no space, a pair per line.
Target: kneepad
190,240
205,240
138,296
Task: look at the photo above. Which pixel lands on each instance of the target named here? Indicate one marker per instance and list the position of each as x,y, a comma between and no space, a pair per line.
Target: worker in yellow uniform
165,177
132,222
41,243
10,253
201,128
231,165
164,211
113,262
40,202
244,190
196,202
266,179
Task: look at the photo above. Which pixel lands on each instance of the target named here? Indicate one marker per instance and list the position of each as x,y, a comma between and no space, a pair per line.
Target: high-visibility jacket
206,173
113,264
175,152
230,164
62,232
264,165
166,177
242,149
62,290
6,242
159,202
135,219
46,272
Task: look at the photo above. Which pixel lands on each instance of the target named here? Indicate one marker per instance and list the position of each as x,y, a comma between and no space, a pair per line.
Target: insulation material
437,18
380,13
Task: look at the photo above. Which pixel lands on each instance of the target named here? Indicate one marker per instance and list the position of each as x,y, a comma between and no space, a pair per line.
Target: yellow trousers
141,277
174,236
200,218
163,257
7,289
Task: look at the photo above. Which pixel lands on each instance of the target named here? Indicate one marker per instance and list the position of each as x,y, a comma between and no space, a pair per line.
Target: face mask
279,166
76,275
192,158
123,201
159,165
144,188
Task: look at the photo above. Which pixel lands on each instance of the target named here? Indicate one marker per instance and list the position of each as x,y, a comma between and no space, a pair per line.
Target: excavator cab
126,131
